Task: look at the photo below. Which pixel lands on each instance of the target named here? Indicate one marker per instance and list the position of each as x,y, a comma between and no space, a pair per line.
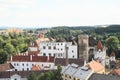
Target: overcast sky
21,13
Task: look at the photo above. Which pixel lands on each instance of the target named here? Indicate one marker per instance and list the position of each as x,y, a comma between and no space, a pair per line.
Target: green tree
32,76
57,73
112,43
3,56
10,49
22,47
46,76
1,42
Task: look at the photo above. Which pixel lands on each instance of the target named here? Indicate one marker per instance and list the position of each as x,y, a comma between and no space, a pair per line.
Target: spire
99,46
112,54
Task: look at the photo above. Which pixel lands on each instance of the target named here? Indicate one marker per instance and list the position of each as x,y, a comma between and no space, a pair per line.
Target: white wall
25,66
60,49
72,51
32,49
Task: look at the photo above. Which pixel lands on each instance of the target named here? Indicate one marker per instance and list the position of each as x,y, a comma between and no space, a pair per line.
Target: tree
112,43
46,76
3,56
32,76
9,49
22,47
1,42
57,73
51,75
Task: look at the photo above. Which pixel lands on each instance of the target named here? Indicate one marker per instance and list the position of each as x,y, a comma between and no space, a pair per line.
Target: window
49,54
54,47
44,47
44,54
23,69
32,64
54,55
61,49
65,75
42,65
49,47
72,51
27,64
15,79
14,64
61,44
15,69
74,79
23,64
70,77
73,56
27,69
17,64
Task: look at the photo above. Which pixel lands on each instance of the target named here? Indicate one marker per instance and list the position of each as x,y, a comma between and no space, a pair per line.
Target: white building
58,49
27,63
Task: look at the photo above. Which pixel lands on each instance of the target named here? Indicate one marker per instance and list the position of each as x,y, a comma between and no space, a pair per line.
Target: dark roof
6,66
23,74
96,76
61,61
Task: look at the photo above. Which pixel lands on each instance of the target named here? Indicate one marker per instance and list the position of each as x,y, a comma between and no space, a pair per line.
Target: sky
47,13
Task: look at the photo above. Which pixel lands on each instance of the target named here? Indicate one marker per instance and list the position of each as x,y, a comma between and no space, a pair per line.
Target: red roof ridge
99,46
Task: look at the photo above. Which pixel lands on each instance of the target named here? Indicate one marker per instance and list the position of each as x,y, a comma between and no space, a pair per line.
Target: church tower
100,53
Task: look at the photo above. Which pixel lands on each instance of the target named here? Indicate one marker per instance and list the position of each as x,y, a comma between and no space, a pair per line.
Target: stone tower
83,46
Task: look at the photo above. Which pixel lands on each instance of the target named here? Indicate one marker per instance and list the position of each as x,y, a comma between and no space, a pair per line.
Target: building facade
26,63
58,49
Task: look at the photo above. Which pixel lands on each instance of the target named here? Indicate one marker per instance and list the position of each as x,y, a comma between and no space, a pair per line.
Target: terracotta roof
112,54
61,61
99,46
34,58
36,67
116,71
21,58
96,66
33,52
6,66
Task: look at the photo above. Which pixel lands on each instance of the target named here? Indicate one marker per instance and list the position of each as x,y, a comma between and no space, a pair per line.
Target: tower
83,46
100,53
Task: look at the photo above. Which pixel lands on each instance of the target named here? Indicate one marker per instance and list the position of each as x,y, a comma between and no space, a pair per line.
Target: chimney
67,61
30,57
48,58
11,58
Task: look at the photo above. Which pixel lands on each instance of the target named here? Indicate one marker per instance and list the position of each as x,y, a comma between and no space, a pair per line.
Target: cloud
16,3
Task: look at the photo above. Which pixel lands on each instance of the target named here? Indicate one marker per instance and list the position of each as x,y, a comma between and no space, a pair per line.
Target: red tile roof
116,71
96,66
6,66
99,46
36,67
33,52
34,58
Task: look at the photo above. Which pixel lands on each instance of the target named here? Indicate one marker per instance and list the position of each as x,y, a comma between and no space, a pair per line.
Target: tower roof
99,46
112,54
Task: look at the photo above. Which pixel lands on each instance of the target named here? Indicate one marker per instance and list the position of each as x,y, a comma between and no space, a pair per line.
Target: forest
12,44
